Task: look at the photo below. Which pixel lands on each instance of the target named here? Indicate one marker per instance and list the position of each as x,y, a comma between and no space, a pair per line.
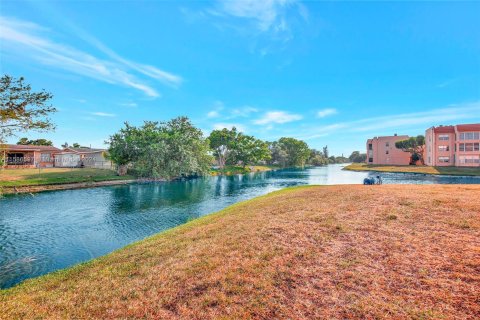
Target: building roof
468,127
444,129
388,137
29,147
83,150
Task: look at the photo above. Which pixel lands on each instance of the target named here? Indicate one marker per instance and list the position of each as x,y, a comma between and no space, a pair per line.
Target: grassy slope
31,177
312,252
456,171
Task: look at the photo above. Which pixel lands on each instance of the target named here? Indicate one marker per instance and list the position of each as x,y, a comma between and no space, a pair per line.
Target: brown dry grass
318,252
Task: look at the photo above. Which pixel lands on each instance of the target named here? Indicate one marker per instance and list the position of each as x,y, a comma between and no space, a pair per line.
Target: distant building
28,156
457,145
83,158
382,150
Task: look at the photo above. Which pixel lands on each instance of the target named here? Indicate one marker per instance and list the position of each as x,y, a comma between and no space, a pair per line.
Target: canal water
48,231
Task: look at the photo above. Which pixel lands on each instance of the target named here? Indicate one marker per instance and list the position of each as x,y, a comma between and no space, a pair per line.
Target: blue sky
330,73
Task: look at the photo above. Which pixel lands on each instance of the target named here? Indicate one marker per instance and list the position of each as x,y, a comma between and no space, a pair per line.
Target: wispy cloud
266,14
398,122
446,83
217,107
277,117
266,22
243,112
36,42
326,112
129,104
103,114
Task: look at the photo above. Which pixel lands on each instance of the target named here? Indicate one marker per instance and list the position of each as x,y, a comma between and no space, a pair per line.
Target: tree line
178,149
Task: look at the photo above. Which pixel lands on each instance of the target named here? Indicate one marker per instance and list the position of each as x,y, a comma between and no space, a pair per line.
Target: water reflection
53,230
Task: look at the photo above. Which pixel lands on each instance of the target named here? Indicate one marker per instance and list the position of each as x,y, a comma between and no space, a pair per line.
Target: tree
297,151
317,158
325,151
21,109
222,142
37,142
161,150
358,157
278,156
249,150
415,146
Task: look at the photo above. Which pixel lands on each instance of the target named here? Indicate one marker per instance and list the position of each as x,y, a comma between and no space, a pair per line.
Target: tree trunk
122,170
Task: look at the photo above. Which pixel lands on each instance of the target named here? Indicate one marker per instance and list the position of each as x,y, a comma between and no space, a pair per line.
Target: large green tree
249,150
222,143
21,109
161,150
297,150
358,157
415,146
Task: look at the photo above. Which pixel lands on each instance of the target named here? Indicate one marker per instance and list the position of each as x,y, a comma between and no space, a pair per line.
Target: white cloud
129,104
217,107
243,112
213,114
267,14
35,42
326,112
278,117
102,114
220,126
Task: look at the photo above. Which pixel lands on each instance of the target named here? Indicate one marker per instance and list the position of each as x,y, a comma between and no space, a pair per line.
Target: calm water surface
52,230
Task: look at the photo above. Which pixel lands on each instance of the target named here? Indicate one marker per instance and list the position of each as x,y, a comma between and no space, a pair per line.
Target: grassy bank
52,176
232,170
313,252
455,171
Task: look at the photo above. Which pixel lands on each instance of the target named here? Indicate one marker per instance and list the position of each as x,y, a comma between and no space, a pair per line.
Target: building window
444,159
370,147
469,146
45,157
469,159
443,148
387,144
370,159
386,152
443,137
469,135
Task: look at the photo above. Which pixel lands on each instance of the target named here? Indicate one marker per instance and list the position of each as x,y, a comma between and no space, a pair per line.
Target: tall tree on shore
249,150
325,152
297,150
358,157
222,142
415,146
21,109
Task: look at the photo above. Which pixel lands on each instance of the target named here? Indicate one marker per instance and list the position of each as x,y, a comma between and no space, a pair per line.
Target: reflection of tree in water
141,209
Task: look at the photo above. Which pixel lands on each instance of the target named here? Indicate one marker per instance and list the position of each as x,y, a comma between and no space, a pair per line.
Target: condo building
457,145
382,150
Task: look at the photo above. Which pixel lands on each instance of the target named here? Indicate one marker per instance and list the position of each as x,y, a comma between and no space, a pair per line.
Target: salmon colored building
28,156
382,150
457,145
